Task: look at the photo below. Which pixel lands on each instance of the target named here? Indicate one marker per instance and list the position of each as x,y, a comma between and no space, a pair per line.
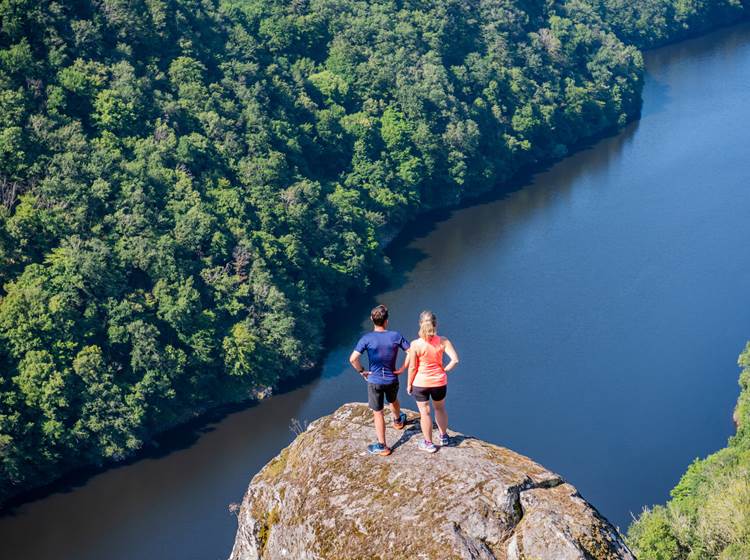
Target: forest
188,186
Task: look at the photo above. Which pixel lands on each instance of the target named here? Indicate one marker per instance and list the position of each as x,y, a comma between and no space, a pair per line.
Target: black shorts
376,392
423,394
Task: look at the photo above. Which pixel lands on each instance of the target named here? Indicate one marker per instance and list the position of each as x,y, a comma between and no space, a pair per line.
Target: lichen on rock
325,497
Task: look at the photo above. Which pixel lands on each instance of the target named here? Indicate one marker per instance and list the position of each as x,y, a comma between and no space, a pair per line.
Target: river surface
599,309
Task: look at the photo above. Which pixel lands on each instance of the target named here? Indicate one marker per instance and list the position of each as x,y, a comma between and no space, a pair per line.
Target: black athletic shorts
376,392
424,394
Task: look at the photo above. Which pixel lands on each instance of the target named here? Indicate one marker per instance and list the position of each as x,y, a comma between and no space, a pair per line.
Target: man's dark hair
379,315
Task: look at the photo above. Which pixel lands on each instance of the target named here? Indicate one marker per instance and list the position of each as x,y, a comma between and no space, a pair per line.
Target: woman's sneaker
378,449
444,440
428,446
400,422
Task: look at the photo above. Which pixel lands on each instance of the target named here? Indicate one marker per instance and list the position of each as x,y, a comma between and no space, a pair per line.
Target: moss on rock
324,496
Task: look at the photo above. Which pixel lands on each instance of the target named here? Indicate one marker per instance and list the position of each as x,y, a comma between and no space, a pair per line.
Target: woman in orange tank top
428,379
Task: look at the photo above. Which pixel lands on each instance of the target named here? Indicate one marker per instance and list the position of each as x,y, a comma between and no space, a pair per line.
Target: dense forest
187,186
709,513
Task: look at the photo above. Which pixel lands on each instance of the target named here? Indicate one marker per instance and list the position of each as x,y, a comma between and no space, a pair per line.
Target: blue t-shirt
382,349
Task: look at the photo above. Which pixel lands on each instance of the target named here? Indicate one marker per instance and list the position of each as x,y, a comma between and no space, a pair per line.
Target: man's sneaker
428,446
378,449
444,440
400,422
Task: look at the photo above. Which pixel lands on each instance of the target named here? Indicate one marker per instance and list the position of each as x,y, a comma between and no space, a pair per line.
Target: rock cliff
325,497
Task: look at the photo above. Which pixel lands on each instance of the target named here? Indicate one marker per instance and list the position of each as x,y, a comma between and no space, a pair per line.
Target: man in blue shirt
382,347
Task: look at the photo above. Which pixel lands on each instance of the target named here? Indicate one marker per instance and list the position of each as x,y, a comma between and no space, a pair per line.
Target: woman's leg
425,420
441,416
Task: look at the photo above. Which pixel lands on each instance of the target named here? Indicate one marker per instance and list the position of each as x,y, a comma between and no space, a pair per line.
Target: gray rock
325,497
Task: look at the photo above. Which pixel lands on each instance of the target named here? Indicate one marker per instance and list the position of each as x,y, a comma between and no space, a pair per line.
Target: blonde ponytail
427,325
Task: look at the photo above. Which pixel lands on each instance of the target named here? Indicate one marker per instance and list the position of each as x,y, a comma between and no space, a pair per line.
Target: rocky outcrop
325,497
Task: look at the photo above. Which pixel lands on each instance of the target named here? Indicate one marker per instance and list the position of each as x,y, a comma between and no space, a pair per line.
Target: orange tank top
429,362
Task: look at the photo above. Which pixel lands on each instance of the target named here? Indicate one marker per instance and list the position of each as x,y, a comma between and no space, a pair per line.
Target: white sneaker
428,446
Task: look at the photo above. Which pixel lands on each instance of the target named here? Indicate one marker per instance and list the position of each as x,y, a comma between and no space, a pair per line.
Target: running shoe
400,422
444,440
428,446
378,449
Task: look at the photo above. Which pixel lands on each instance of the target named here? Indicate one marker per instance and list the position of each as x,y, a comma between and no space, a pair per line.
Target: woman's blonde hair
427,325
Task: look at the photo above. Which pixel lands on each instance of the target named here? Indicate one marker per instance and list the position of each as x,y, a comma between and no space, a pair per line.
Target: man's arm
404,345
356,364
405,365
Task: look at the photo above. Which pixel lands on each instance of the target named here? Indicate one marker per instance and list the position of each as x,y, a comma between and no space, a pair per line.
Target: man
382,382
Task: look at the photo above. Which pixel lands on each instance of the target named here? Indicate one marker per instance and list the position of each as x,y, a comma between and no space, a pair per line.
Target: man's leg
379,419
396,410
375,399
391,395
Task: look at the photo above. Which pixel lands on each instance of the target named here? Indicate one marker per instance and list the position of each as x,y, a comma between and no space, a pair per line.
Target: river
598,308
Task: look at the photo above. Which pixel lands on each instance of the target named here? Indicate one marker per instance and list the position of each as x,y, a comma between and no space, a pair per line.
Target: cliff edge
325,497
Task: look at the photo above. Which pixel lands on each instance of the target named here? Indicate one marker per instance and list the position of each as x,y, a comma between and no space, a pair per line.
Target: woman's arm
413,360
452,354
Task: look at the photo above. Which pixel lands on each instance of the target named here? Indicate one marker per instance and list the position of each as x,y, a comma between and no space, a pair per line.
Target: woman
428,378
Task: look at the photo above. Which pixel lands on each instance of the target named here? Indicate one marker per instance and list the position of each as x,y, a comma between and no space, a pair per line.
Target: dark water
598,309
